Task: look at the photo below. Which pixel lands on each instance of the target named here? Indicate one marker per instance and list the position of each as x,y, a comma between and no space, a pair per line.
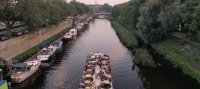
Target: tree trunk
8,30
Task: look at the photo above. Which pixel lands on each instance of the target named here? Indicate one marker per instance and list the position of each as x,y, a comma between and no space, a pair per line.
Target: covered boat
58,46
97,73
22,71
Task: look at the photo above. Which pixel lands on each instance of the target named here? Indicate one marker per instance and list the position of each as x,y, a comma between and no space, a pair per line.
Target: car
3,37
17,32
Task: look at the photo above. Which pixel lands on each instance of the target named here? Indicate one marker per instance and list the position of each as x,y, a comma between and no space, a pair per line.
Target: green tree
107,8
8,14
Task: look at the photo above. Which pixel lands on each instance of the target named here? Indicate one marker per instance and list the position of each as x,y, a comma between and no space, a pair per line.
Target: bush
142,57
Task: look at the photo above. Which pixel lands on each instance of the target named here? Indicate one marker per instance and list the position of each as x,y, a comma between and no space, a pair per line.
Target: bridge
101,15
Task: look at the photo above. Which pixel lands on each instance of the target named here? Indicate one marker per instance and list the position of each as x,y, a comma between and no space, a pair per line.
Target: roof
19,65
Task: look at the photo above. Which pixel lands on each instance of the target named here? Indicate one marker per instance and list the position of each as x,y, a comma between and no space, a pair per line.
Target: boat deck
97,73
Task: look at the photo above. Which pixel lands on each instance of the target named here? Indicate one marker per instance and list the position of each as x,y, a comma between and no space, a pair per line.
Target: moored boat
79,27
97,73
67,37
86,24
58,46
22,71
46,55
73,32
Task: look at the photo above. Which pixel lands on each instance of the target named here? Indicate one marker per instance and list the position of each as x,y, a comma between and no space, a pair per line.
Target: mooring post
1,74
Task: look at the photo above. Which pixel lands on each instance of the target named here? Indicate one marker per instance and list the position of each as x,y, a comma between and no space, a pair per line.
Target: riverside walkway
13,47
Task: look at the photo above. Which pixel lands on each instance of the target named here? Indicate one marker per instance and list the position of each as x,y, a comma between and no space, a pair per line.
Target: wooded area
38,13
157,18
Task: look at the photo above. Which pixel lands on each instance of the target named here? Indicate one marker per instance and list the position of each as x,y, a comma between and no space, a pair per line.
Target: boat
83,25
46,55
86,24
58,46
22,71
67,37
97,72
73,32
79,27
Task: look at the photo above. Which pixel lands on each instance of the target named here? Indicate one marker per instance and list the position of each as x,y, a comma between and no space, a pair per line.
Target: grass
182,54
127,38
30,52
142,57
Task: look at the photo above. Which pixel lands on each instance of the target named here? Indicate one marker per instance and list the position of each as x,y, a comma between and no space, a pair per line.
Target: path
11,48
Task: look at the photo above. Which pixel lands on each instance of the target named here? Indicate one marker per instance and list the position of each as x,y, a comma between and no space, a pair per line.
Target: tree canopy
36,13
157,18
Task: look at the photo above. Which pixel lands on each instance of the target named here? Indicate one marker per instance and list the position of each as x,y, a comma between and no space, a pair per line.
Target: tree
106,7
38,13
8,15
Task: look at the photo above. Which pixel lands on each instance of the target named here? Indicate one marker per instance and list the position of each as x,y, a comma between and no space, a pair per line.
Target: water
67,71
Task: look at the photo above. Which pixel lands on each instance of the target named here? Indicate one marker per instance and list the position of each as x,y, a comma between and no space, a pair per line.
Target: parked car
3,37
17,32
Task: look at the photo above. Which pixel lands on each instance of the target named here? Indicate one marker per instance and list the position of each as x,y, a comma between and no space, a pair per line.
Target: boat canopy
20,65
56,43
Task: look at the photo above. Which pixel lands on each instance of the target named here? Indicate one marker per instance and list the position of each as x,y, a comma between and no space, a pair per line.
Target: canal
68,69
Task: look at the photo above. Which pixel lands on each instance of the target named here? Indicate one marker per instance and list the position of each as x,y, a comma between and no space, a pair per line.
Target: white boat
79,27
67,37
97,73
73,32
22,71
83,25
46,55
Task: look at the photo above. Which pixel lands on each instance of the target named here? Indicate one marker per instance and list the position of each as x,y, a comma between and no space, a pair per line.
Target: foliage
106,7
125,35
127,13
38,13
157,18
8,14
153,20
77,8
142,57
191,18
182,54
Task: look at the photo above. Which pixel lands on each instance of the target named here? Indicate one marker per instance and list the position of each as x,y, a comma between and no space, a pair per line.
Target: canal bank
13,47
168,76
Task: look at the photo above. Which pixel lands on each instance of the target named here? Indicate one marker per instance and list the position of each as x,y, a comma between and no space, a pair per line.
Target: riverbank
181,54
142,57
13,47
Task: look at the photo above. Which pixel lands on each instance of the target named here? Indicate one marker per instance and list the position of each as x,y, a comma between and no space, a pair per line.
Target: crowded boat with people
97,72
